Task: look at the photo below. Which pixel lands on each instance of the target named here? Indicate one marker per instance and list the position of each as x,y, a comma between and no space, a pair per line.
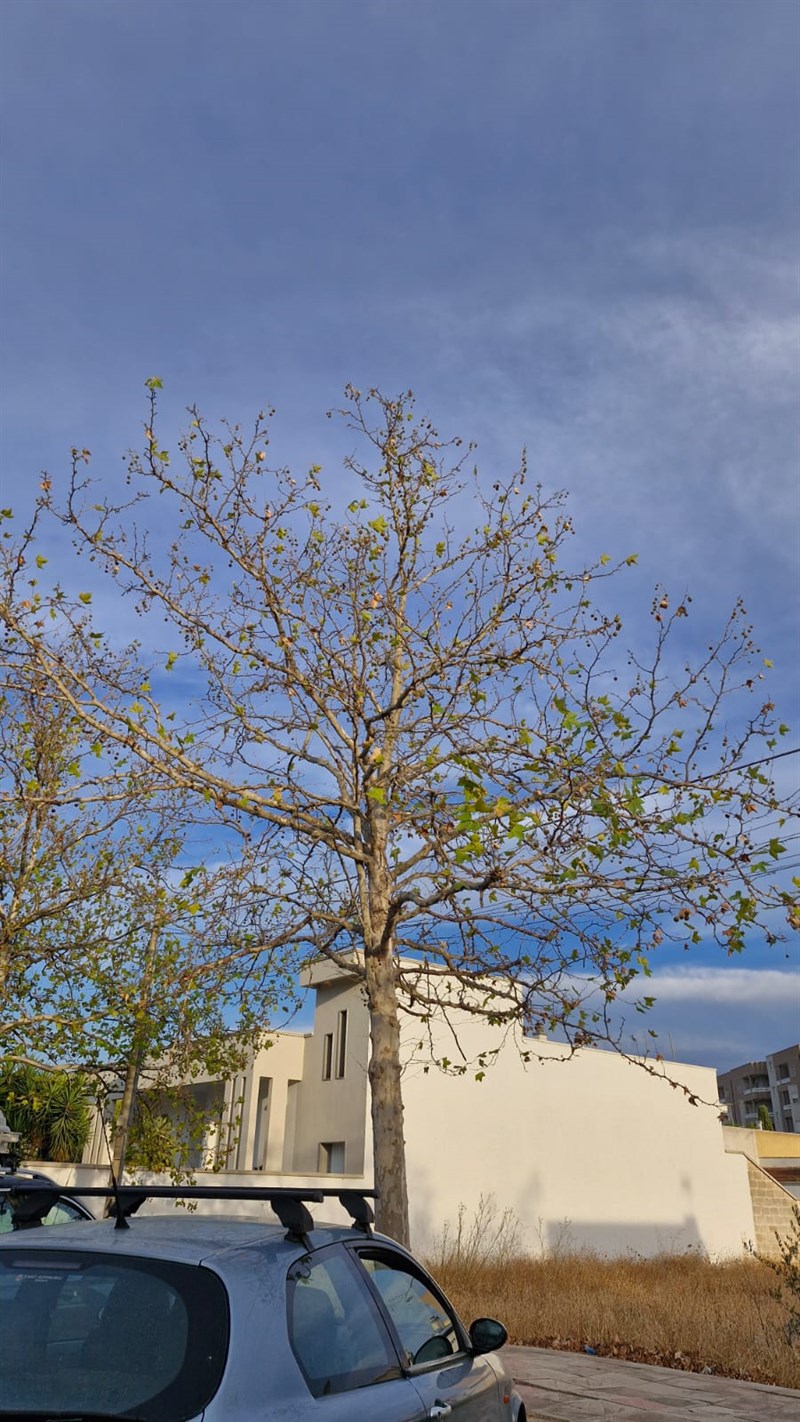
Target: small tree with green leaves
118,952
72,823
197,969
419,711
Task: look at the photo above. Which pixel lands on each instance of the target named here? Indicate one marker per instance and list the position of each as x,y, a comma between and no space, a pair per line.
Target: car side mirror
487,1335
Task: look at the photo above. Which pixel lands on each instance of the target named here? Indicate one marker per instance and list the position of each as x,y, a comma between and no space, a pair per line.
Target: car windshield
95,1333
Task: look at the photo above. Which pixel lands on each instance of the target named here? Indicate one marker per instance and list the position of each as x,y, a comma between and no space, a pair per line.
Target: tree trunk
134,1061
387,1100
125,1114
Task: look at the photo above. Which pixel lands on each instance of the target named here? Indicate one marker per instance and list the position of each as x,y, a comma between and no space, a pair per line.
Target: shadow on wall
602,1237
422,1226
488,1232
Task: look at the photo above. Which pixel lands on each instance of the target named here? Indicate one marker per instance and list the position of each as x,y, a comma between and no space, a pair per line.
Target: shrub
50,1109
787,1269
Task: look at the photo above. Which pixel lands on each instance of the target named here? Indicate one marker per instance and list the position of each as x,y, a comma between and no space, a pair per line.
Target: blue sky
571,225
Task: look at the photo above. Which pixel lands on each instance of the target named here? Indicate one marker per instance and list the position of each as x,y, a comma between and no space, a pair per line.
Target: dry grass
676,1311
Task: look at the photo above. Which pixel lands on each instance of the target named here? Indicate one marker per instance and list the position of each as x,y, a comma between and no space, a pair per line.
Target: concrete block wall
773,1210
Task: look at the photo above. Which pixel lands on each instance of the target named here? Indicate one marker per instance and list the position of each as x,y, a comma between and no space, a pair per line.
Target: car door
451,1380
343,1346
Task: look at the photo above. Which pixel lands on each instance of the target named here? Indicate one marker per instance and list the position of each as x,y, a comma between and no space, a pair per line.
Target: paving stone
573,1387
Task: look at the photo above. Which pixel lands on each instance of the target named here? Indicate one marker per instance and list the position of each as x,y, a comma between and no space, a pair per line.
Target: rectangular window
331,1157
426,1328
337,1334
173,1317
327,1056
783,1072
341,1044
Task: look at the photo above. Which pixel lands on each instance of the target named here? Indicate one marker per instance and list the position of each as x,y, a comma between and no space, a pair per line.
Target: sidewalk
573,1387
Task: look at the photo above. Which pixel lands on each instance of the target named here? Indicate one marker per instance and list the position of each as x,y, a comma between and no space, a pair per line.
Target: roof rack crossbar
333,1192
171,1192
32,1199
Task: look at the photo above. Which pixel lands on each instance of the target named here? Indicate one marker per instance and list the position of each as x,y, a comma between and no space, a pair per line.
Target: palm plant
50,1109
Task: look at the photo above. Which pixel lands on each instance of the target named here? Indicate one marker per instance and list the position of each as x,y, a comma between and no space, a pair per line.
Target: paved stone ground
574,1387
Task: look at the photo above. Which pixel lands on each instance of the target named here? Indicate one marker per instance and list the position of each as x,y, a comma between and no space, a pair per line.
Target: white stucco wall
334,1109
586,1151
262,1144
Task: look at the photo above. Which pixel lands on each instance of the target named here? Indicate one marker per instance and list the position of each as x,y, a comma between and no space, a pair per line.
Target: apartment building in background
773,1083
783,1069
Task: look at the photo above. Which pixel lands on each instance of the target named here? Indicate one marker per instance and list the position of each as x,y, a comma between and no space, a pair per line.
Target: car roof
8,1178
180,1236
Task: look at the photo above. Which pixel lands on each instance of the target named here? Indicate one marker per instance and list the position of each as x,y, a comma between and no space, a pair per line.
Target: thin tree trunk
387,1100
134,1061
125,1114
384,1027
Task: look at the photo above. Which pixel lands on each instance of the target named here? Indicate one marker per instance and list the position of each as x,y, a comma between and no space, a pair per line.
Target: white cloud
756,988
715,1017
672,391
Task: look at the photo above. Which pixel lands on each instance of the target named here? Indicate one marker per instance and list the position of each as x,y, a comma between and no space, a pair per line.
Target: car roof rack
31,1199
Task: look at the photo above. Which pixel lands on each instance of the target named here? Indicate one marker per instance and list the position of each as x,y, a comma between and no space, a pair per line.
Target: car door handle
440,1409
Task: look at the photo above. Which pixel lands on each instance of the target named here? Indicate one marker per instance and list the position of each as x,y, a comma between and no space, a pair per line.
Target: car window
427,1330
335,1328
95,1333
64,1212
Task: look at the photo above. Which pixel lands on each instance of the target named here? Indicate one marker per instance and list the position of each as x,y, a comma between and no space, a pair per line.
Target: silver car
181,1317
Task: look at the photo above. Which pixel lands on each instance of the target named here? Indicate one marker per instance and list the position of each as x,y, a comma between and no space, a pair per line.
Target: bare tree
421,716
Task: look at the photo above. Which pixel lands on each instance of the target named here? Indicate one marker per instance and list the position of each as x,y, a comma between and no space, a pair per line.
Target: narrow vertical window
327,1056
341,1044
331,1157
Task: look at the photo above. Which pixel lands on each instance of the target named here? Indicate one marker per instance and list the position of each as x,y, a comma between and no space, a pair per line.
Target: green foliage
173,1132
154,1142
50,1109
765,1120
114,945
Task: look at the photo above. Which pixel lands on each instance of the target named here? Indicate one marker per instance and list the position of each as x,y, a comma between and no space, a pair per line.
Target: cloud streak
760,989
717,1017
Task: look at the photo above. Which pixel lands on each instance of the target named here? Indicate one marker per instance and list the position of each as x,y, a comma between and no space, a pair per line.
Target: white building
585,1149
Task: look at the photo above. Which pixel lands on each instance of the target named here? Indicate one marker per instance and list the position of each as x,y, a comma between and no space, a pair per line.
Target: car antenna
121,1221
